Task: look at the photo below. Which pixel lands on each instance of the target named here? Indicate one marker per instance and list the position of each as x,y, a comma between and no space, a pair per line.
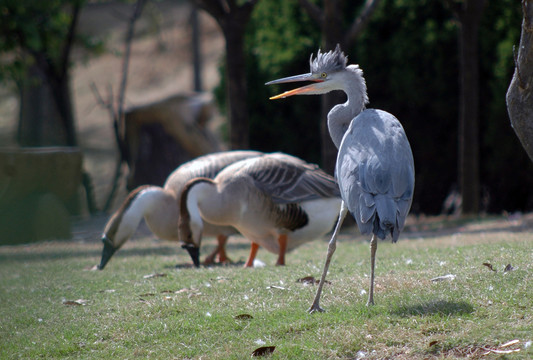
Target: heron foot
315,308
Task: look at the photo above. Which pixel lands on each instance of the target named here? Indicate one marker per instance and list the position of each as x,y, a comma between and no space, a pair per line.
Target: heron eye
323,74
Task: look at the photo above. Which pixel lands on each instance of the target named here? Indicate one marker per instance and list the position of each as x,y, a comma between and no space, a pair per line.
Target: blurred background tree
409,53
38,36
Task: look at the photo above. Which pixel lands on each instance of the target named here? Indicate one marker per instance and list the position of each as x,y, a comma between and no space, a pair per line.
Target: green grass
190,313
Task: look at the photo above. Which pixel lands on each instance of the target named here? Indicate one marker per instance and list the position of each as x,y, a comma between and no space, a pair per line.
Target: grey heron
276,201
374,168
159,206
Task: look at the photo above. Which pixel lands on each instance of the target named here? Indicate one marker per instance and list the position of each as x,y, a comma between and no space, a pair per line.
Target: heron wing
375,171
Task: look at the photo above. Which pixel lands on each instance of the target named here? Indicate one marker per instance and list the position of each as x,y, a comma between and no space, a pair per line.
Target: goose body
276,201
159,206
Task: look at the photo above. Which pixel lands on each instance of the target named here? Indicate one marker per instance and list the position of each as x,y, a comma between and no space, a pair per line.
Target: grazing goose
277,201
159,206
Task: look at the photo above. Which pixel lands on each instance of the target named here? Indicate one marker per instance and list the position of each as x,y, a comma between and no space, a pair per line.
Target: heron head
325,75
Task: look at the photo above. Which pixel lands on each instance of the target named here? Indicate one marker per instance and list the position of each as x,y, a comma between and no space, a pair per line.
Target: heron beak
107,252
194,253
297,91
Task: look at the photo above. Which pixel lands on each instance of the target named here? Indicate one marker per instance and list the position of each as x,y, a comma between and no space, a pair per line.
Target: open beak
194,253
297,91
107,252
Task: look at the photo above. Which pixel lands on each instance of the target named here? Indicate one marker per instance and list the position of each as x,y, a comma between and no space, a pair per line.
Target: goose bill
194,253
107,253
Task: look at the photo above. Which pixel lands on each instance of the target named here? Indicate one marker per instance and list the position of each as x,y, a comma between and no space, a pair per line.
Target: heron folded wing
367,207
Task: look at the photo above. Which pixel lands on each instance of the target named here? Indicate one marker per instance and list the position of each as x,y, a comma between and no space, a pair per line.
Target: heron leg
282,240
251,257
373,248
331,249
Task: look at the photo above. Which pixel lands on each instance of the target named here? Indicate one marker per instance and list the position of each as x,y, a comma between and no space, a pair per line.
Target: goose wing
287,179
207,166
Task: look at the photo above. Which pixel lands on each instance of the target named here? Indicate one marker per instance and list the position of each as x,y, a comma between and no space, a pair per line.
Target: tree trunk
63,101
40,120
519,95
232,16
332,33
469,14
196,53
236,84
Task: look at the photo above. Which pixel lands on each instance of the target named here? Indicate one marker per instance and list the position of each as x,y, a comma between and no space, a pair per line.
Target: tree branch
69,41
360,22
125,65
314,11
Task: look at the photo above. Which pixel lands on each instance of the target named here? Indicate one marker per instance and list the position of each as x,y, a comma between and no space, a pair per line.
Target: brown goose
277,201
159,206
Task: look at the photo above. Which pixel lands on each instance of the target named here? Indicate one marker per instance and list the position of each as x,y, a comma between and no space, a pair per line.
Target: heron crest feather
330,61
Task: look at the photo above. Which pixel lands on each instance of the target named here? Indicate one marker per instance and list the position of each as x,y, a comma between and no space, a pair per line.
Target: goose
276,201
159,206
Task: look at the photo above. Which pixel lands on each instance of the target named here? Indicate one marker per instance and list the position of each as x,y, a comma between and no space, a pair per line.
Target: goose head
190,224
122,225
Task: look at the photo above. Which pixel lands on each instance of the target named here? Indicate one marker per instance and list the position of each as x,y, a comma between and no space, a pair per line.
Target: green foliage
408,52
33,27
409,55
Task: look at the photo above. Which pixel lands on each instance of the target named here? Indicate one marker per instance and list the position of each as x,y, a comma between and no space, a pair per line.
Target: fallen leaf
151,276
434,342
108,291
167,292
263,351
496,351
489,265
147,294
311,280
79,302
243,317
509,343
184,290
276,287
444,277
509,267
308,280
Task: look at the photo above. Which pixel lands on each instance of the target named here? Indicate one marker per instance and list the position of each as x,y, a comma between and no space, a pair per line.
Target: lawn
149,303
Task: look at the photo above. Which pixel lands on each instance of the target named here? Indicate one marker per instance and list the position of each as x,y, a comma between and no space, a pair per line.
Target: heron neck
341,115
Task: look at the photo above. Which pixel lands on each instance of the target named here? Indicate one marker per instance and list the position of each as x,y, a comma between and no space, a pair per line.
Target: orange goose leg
251,257
220,250
282,240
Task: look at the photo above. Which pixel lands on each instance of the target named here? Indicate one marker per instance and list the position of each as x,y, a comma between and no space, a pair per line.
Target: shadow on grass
437,307
70,252
42,251
237,264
